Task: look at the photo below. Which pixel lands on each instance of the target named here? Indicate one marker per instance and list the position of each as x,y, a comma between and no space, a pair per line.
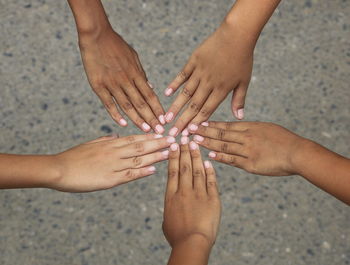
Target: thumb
238,100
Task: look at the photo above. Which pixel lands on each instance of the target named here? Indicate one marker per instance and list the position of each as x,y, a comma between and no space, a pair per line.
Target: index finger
173,170
234,125
199,177
219,133
185,180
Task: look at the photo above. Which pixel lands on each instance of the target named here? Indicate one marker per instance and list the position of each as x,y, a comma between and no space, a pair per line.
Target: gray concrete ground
300,80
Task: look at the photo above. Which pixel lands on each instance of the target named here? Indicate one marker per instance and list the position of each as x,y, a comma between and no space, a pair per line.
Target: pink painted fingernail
159,129
170,139
206,124
240,114
168,91
169,116
165,153
207,164
174,147
150,85
185,132
184,140
152,169
212,154
173,131
123,122
157,136
193,145
162,119
193,127
146,127
198,138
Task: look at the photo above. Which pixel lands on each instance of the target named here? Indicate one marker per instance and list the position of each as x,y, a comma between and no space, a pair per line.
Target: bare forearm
325,169
27,171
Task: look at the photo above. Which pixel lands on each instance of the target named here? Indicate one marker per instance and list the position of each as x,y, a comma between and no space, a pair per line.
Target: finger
193,107
142,108
234,126
139,66
180,79
152,100
218,133
103,138
145,160
110,105
126,140
173,170
209,107
127,107
232,160
220,146
199,178
128,175
185,179
212,186
145,147
182,99
238,100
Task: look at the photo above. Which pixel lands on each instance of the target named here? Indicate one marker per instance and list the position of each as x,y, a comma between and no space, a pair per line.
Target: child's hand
108,162
192,204
257,147
223,63
117,77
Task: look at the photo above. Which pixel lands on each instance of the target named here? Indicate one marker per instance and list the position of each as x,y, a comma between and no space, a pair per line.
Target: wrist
199,241
303,150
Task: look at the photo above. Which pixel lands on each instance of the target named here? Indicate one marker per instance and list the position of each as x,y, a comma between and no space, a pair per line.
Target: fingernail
168,91
123,122
212,154
150,85
185,132
146,127
152,169
207,164
174,147
193,127
240,114
169,116
184,140
159,129
193,145
158,136
170,139
173,131
206,124
165,153
198,138
162,119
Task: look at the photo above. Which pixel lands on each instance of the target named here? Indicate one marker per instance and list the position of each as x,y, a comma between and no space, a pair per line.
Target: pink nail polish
193,127
165,153
198,138
173,131
123,122
170,139
169,116
212,154
193,145
146,127
240,114
174,147
159,129
185,132
162,119
184,140
168,91
151,169
206,124
207,164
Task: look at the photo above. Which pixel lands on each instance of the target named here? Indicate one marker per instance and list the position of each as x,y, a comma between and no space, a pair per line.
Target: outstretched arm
220,65
269,149
114,70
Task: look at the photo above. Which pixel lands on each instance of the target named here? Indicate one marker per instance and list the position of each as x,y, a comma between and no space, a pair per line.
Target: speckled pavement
300,80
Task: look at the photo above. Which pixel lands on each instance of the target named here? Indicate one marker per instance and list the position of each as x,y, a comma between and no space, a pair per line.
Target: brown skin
192,206
114,70
220,65
96,165
271,150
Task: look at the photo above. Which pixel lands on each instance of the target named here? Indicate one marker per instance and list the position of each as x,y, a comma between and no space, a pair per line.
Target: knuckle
151,95
184,168
211,183
139,147
220,134
141,104
182,74
173,173
109,105
232,160
224,147
197,173
137,161
126,106
186,92
129,174
130,139
205,112
194,106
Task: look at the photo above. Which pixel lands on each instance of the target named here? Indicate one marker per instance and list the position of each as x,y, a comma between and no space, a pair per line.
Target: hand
223,63
192,204
257,147
117,77
108,162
